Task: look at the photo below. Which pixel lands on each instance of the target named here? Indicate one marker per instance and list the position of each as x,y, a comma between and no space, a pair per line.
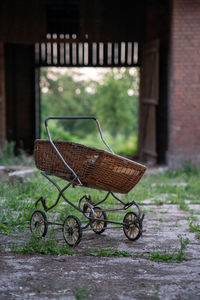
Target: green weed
188,170
177,224
82,292
158,202
180,255
161,220
161,257
157,289
192,218
46,246
110,252
157,229
115,217
150,210
184,206
177,255
194,227
8,156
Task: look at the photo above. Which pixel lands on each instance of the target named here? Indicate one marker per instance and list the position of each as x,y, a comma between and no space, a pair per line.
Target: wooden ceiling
98,21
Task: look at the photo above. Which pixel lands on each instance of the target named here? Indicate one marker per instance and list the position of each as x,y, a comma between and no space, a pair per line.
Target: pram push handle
73,118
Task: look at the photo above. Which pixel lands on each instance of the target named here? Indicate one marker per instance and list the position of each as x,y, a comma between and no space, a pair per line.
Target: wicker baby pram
89,167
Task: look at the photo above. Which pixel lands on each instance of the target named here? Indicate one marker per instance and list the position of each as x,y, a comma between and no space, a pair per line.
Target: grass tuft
110,252
8,156
82,292
177,255
193,226
46,246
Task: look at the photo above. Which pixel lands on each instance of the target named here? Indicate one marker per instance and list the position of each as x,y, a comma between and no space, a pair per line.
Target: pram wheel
98,226
38,223
133,228
72,231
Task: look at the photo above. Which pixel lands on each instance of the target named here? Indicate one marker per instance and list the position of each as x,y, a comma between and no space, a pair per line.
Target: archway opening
110,94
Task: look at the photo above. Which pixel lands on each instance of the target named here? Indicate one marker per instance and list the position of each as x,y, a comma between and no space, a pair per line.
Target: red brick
184,78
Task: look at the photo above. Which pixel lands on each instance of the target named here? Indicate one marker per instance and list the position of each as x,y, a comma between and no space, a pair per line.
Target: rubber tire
45,222
79,231
105,222
125,227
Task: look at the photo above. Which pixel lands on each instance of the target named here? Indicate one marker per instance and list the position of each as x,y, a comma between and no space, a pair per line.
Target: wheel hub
37,224
70,231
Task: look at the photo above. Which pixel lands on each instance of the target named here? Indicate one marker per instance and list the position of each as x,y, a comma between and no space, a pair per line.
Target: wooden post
149,98
2,98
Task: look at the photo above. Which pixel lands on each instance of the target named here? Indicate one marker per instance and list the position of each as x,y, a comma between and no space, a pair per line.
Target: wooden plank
37,103
149,97
150,101
79,54
150,153
58,54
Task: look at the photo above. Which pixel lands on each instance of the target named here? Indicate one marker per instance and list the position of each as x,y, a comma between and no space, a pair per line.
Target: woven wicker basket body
95,168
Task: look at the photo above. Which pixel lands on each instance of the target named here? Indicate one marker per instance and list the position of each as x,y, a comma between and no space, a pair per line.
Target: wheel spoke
72,230
38,223
132,229
98,226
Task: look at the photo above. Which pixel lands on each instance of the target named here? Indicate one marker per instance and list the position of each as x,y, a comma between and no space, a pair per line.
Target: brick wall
184,83
2,99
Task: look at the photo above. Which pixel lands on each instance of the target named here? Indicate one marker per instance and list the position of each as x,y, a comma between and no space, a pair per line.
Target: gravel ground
60,277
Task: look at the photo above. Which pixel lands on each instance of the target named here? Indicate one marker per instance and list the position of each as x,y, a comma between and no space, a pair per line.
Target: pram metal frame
89,207
88,200
73,118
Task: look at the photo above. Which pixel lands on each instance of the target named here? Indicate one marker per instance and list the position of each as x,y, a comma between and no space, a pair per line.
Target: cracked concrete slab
127,278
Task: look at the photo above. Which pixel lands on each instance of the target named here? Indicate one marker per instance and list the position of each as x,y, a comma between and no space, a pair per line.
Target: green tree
112,99
63,96
116,101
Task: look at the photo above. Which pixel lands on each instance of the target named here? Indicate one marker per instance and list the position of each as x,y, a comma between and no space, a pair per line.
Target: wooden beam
22,21
2,98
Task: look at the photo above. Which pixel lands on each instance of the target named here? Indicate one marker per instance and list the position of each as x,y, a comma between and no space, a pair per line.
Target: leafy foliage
113,100
116,109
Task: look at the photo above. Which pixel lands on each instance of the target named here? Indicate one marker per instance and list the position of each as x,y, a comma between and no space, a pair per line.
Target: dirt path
136,277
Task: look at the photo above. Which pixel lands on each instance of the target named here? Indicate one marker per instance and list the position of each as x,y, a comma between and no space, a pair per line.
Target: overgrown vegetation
172,187
8,156
17,199
17,204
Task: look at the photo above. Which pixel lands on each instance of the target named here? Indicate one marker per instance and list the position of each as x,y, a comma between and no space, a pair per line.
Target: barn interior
79,33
